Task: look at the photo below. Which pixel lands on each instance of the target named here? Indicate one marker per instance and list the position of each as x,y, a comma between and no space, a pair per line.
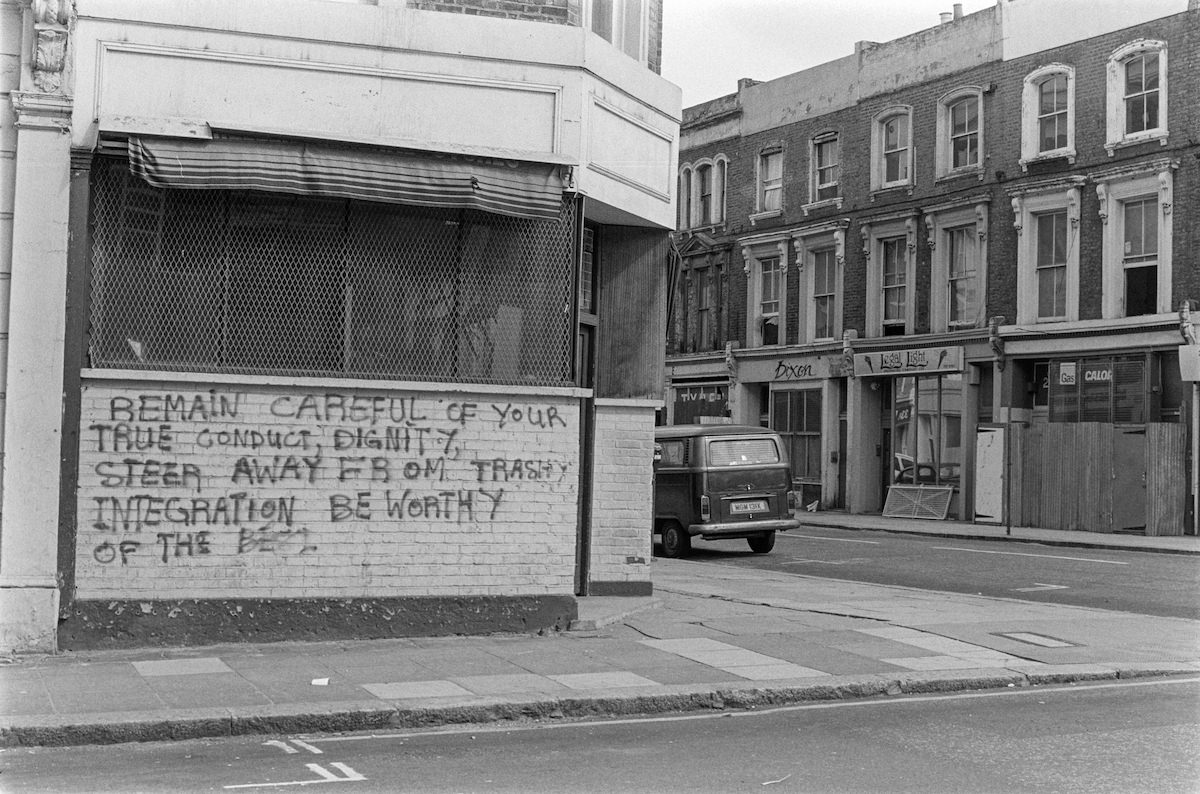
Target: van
720,481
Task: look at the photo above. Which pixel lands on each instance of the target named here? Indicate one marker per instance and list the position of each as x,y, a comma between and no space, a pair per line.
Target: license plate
756,506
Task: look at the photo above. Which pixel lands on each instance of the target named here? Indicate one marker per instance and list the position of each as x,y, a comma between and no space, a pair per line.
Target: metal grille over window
264,283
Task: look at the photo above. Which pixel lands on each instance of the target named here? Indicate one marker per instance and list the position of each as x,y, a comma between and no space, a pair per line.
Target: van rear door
747,479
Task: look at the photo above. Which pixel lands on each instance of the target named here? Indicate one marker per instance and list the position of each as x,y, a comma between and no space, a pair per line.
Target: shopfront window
1099,390
796,417
926,435
694,402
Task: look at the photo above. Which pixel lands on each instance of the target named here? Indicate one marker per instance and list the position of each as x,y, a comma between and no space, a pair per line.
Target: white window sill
762,216
905,186
1159,135
958,173
822,204
1045,157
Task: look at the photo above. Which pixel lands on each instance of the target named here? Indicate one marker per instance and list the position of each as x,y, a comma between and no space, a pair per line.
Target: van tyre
676,542
762,543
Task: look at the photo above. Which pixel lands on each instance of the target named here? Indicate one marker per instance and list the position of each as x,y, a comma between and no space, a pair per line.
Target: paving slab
711,637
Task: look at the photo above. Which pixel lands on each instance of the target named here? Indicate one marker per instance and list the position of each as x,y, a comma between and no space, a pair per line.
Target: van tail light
705,509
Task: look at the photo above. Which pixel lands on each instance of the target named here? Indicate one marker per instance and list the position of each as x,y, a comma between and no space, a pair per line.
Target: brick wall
561,12
255,492
622,496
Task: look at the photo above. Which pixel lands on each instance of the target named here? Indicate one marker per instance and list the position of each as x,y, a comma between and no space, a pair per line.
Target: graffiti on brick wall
176,477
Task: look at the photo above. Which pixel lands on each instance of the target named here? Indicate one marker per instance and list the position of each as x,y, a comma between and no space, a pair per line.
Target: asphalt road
1126,737
1146,583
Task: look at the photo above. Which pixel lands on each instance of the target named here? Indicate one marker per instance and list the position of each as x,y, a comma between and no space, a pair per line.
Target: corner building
328,319
957,286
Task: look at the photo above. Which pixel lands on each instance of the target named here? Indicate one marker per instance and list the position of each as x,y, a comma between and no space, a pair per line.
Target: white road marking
839,540
798,561
287,748
307,746
1039,587
325,777
1024,554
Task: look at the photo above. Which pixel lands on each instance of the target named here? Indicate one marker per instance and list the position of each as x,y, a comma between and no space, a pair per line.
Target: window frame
874,235
1063,195
828,138
940,223
753,255
945,133
812,440
1031,151
685,196
1113,189
761,187
808,243
619,25
691,212
879,151
1116,98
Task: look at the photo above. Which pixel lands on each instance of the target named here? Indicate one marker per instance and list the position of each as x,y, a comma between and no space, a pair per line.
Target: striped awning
507,187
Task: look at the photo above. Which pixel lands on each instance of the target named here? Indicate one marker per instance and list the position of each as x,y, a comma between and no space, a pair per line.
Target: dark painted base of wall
620,588
96,625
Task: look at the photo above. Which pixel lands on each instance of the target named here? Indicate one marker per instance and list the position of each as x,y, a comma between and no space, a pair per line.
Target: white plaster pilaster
34,375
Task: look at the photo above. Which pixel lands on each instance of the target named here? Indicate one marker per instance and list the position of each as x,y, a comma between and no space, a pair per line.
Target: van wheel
761,544
676,542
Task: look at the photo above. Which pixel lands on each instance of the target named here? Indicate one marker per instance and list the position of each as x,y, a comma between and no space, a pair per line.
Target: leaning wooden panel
1166,478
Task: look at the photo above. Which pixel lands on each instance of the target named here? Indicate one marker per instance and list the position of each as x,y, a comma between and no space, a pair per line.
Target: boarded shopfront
1104,462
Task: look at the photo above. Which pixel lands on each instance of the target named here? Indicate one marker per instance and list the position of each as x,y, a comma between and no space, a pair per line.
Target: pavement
711,637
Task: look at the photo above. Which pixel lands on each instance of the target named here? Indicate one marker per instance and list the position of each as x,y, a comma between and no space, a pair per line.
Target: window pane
812,410
1141,290
1150,71
1052,296
1053,133
1052,95
772,166
742,451
964,117
631,40
823,318
1151,111
602,18
891,134
894,170
965,152
1134,244
1135,114
1135,76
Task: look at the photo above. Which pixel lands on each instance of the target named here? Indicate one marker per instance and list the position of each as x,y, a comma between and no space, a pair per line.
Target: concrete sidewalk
712,637
1167,544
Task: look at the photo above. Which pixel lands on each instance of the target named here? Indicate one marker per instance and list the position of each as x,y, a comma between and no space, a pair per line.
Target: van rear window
742,451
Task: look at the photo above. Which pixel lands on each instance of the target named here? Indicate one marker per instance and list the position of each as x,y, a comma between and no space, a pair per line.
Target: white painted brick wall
481,502
622,496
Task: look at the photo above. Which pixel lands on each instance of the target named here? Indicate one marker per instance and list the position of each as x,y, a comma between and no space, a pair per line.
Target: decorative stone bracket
51,24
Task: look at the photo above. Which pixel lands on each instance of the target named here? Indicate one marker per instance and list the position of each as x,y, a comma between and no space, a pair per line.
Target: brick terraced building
955,270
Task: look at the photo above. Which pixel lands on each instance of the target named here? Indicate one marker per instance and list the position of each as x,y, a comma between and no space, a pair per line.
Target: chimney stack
958,10
945,16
